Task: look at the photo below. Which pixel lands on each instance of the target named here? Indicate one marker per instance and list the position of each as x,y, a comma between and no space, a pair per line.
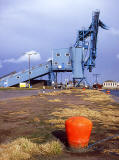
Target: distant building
110,84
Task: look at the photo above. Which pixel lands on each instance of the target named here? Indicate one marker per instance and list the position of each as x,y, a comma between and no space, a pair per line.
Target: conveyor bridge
73,59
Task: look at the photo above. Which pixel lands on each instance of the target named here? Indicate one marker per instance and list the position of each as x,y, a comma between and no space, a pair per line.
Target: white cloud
34,56
0,65
118,56
12,60
114,31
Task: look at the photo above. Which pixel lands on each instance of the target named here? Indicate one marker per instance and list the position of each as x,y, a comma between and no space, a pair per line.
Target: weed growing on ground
54,100
24,149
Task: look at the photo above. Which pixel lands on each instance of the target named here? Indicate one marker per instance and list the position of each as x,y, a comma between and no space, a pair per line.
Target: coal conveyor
74,59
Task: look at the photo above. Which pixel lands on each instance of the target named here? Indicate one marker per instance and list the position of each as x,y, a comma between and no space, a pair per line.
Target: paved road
5,94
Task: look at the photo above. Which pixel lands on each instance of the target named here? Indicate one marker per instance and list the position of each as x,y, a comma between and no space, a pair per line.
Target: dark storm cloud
27,25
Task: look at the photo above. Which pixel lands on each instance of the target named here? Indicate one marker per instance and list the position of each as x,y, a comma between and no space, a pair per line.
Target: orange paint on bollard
78,130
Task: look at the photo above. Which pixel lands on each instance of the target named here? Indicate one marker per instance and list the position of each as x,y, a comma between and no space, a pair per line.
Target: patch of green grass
42,134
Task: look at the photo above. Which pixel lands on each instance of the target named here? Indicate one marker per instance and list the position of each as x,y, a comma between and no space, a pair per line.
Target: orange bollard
78,130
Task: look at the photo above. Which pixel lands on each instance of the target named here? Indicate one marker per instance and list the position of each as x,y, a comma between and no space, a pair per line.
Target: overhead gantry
74,59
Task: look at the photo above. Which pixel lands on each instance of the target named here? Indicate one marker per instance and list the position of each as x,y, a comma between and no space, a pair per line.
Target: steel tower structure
74,59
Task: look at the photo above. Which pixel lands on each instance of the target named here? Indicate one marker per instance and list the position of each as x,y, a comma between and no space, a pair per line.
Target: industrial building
75,59
109,84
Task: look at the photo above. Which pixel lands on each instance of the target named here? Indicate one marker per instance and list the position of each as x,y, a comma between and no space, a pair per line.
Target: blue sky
42,25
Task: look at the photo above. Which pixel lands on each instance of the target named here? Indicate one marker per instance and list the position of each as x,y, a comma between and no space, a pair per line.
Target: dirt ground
41,118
